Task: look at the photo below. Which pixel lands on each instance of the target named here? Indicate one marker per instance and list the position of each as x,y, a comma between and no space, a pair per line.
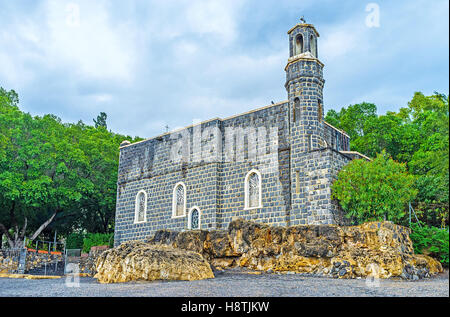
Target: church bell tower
304,85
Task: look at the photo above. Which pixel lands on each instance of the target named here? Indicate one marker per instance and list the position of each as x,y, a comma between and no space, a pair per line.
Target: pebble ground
231,284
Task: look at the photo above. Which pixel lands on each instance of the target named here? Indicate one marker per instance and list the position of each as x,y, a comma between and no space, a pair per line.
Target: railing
13,260
45,247
411,211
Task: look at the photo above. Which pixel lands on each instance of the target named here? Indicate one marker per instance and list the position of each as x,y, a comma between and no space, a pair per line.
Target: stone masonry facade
273,165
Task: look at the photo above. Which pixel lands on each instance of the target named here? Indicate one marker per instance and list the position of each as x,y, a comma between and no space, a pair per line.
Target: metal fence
13,260
45,257
36,257
72,258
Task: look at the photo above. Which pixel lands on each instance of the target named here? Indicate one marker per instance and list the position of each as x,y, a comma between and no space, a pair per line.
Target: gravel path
231,284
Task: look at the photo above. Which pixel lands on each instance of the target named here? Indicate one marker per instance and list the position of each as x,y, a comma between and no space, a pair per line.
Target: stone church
275,164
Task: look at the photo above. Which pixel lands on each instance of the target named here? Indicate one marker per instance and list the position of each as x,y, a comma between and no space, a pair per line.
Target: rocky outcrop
136,260
381,249
87,262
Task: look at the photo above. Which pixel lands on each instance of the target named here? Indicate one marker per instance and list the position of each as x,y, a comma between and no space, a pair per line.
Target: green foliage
352,119
101,120
417,135
96,239
374,191
75,240
431,241
48,167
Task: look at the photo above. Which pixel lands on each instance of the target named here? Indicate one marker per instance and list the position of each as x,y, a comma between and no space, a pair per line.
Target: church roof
304,25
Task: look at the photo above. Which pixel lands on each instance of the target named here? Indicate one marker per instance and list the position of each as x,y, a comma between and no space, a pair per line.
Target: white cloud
96,47
148,64
215,17
103,97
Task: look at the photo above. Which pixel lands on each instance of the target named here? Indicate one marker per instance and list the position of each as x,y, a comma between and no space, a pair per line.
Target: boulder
134,260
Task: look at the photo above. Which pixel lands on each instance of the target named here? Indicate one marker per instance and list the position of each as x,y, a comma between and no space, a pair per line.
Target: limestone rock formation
381,249
136,260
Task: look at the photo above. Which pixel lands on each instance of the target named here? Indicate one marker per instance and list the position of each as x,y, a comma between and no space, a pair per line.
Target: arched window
299,44
140,207
296,109
179,200
312,45
253,195
194,219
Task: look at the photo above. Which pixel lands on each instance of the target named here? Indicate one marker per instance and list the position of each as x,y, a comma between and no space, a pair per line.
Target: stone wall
311,195
9,261
215,183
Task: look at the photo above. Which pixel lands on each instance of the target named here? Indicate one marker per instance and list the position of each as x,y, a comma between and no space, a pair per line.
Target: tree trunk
16,240
43,226
8,235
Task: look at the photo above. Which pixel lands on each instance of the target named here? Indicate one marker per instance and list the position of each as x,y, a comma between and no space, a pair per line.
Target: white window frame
174,200
246,190
199,218
136,207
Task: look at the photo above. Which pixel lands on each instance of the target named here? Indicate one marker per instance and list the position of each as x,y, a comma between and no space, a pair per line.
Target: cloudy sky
153,63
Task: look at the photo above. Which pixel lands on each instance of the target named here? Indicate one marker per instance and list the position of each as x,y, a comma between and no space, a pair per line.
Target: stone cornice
297,58
304,25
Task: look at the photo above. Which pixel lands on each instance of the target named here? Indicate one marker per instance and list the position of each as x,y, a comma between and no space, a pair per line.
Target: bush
75,240
374,191
430,241
96,239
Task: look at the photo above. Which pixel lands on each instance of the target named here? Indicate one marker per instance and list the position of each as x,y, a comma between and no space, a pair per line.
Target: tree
55,176
430,161
97,208
41,173
101,120
416,135
352,119
374,190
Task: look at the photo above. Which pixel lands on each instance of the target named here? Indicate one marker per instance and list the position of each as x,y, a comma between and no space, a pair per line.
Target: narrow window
253,190
140,207
179,200
320,110
299,44
296,109
309,142
297,182
312,44
194,219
